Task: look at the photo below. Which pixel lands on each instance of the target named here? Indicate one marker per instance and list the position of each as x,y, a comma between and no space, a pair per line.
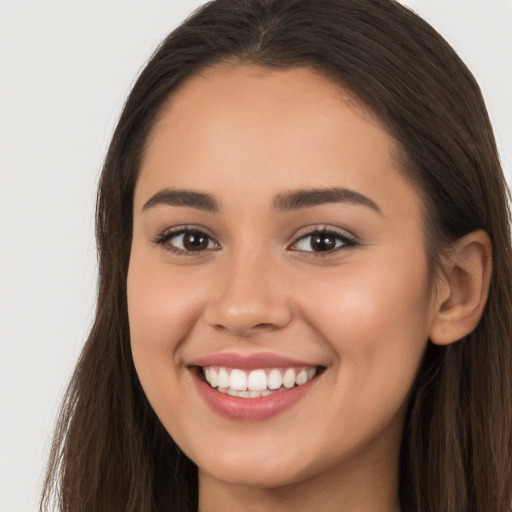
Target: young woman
305,276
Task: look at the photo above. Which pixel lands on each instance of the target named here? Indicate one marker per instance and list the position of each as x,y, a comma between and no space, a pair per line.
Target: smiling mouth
258,382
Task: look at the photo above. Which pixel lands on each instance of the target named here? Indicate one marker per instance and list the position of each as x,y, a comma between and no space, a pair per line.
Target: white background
65,69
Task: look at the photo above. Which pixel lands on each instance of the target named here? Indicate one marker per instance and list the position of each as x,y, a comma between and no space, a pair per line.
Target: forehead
253,97
245,125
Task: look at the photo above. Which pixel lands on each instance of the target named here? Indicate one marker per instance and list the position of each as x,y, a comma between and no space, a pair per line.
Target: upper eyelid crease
164,237
170,233
347,239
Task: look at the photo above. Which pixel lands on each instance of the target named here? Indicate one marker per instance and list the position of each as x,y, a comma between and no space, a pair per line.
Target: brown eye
195,241
186,241
324,241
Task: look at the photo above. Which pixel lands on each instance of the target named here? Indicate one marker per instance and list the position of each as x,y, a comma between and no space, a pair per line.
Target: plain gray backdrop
65,69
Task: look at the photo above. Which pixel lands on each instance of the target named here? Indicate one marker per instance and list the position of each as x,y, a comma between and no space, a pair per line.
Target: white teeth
275,379
223,378
238,380
214,379
257,380
301,378
289,378
256,383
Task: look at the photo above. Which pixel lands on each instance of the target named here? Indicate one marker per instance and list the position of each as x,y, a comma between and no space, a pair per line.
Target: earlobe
464,288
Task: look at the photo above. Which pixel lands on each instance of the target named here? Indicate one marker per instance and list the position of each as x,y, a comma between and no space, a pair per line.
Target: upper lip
249,361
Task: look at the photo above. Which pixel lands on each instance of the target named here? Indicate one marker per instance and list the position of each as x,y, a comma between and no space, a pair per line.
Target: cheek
377,321
377,326
162,309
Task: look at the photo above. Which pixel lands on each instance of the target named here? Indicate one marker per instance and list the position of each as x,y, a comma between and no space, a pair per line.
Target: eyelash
347,241
164,239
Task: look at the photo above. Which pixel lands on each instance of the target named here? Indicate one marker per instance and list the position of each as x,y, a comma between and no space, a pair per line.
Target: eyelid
166,235
348,239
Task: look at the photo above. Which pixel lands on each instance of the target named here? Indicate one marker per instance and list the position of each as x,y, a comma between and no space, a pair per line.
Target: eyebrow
172,197
314,197
304,198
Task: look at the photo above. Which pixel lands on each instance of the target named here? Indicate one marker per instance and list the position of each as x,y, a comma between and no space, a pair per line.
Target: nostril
244,331
265,326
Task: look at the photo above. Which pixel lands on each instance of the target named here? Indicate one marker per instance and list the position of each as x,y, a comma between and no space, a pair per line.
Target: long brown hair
110,451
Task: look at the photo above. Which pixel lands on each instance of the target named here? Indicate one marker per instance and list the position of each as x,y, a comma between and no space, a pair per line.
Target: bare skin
358,305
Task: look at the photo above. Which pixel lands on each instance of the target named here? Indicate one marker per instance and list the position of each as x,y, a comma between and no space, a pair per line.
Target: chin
261,478
251,470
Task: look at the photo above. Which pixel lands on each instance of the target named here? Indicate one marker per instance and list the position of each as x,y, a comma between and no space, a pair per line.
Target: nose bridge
250,296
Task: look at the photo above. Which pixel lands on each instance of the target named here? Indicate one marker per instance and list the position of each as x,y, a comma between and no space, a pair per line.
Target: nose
249,298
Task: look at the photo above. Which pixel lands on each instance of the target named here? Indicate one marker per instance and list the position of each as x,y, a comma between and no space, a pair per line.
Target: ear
463,288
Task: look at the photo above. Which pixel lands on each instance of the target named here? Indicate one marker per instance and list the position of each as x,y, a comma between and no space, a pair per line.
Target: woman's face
273,238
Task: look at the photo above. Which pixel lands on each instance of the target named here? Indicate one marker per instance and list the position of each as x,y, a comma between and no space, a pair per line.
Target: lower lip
250,409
